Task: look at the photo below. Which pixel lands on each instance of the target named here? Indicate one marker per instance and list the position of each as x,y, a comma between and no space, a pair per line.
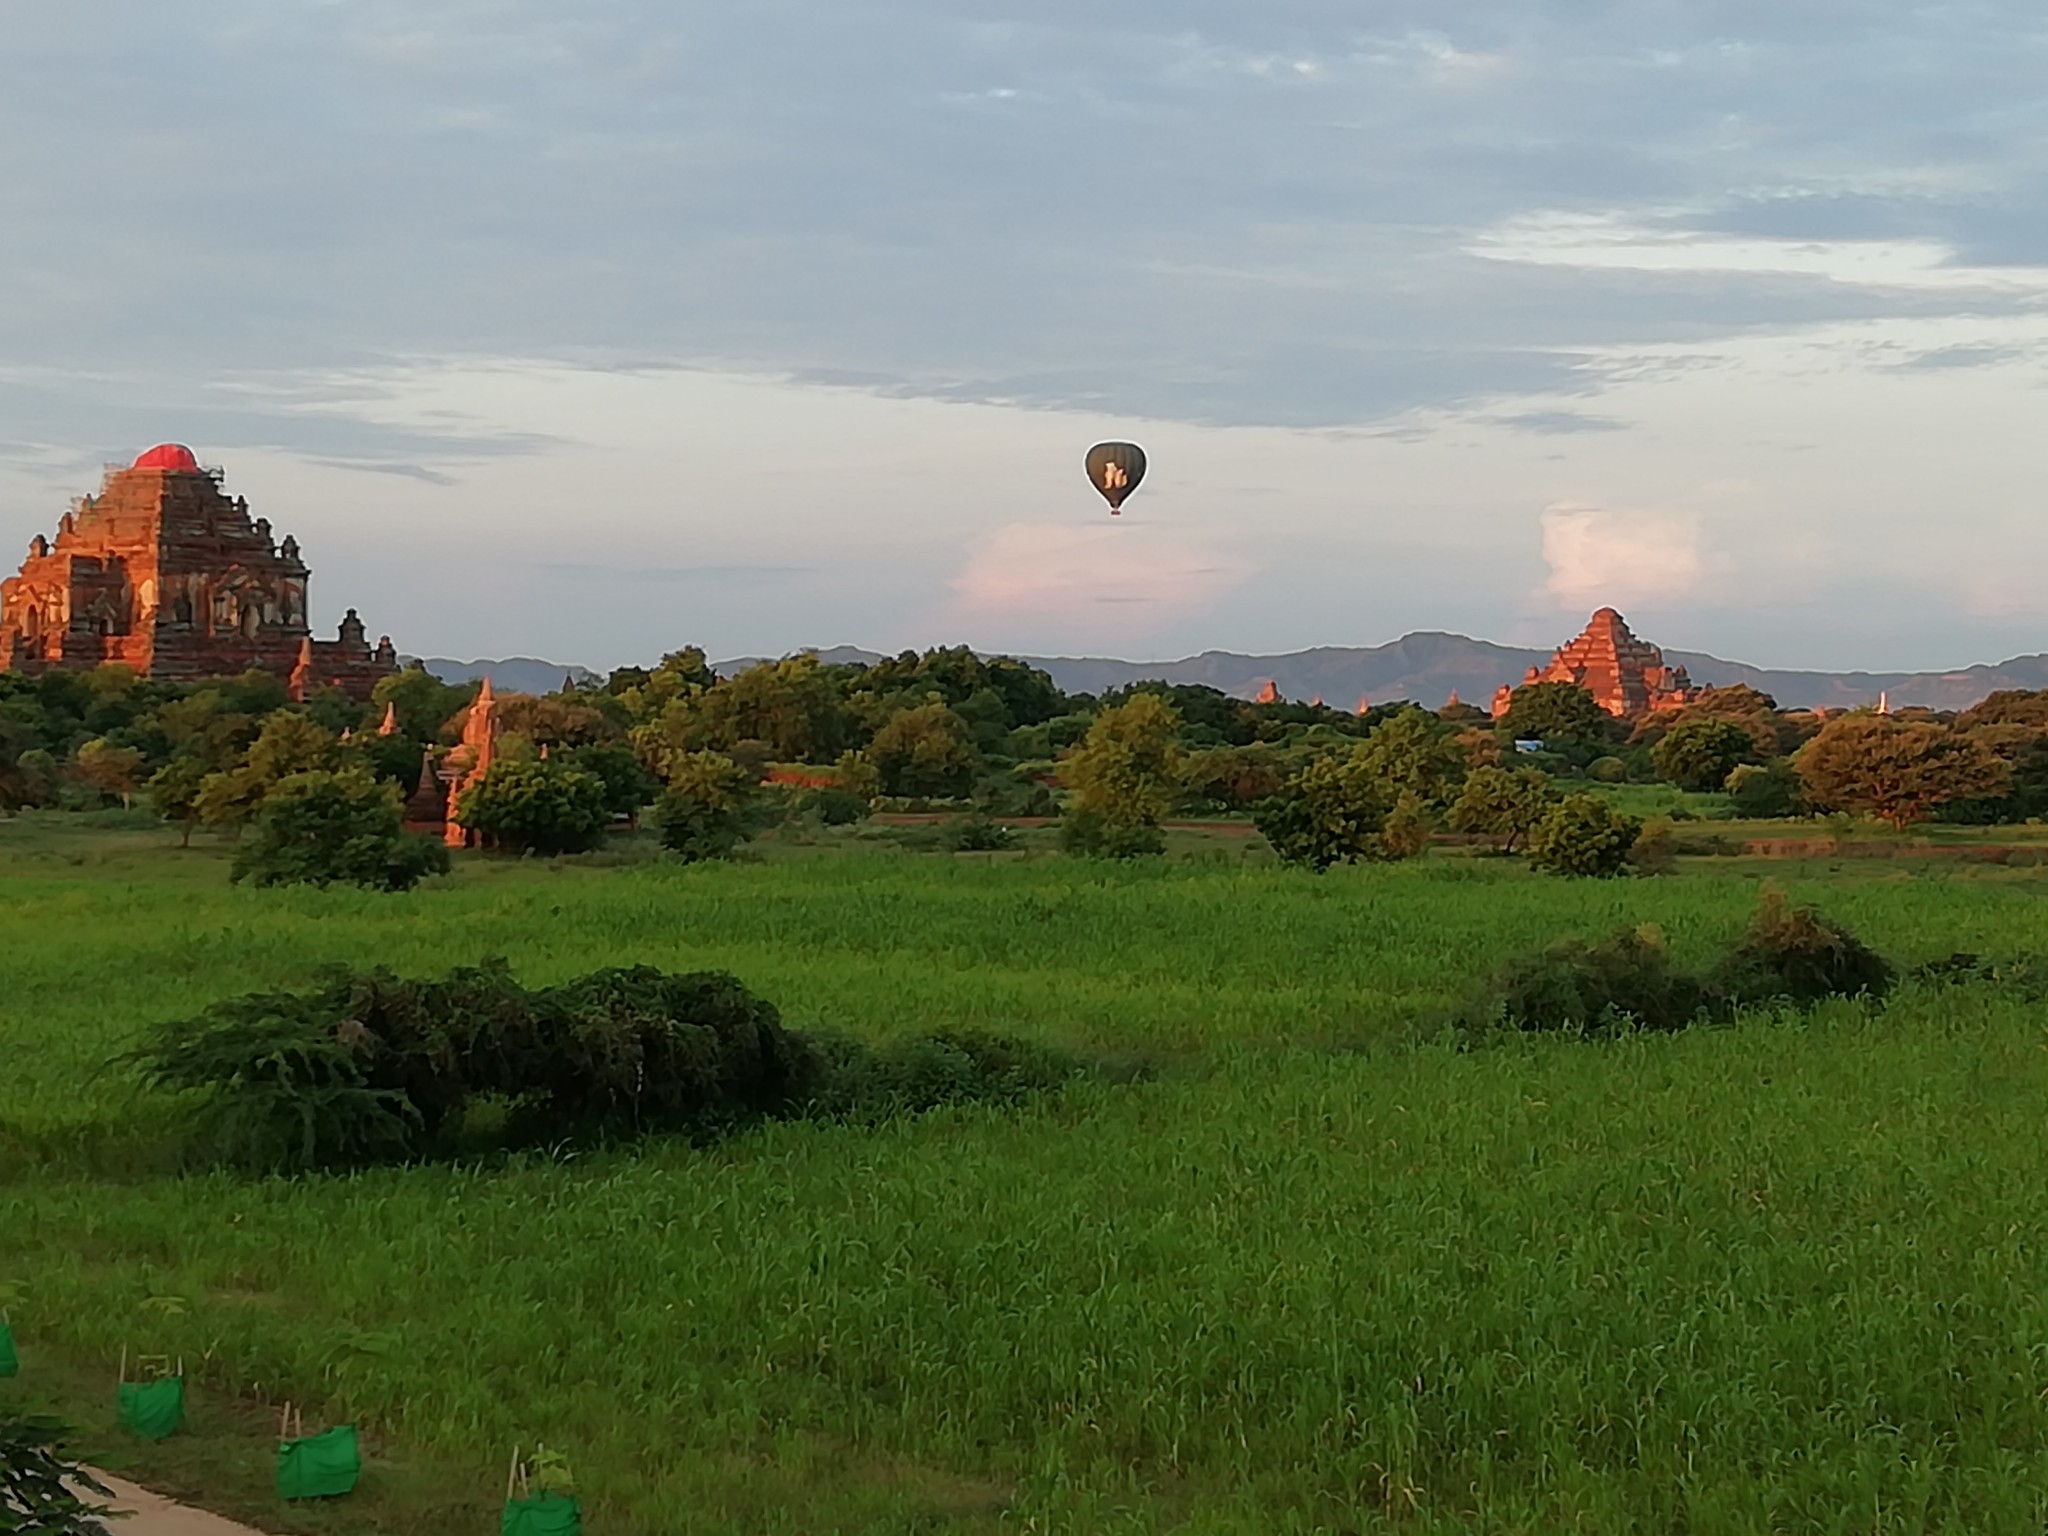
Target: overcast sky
590,330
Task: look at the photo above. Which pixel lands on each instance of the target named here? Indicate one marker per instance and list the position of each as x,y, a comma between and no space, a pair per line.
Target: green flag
323,1466
547,1514
152,1409
10,1362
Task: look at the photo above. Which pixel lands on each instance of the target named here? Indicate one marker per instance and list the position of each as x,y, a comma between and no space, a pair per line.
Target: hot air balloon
1115,469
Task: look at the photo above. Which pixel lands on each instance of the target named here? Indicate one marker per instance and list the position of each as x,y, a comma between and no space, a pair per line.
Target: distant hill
1426,666
516,674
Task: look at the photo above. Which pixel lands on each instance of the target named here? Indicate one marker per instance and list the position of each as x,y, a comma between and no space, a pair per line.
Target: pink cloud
1109,580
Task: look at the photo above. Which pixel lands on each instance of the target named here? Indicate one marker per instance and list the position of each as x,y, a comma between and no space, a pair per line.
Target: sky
592,331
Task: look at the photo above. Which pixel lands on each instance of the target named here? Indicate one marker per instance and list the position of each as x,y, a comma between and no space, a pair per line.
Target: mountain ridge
1423,665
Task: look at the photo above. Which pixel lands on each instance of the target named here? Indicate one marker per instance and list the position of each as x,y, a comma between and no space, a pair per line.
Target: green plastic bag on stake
152,1409
545,1514
10,1362
323,1466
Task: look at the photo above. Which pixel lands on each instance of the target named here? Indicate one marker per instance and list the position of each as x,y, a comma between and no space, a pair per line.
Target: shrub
1103,835
536,805
1700,754
1626,979
1501,804
1405,834
1333,811
1787,955
1582,835
978,834
708,810
1764,791
1793,954
369,1067
1125,775
40,1485
1607,770
834,807
343,828
1655,850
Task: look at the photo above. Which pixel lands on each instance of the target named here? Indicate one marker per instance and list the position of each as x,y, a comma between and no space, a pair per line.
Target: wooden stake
512,1474
284,1423
124,1365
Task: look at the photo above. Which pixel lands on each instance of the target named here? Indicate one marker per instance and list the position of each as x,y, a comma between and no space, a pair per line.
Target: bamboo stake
284,1423
512,1474
124,1364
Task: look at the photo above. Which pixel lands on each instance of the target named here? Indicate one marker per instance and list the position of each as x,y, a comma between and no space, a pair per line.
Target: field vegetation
1179,1114
1323,1265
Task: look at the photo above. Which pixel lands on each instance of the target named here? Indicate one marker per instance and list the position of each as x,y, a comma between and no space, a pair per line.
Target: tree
422,704
1900,771
706,813
346,828
627,784
113,771
1582,835
1700,754
289,743
1415,753
541,806
1738,704
1233,778
1764,791
925,751
1558,714
1502,805
174,792
1333,811
1124,776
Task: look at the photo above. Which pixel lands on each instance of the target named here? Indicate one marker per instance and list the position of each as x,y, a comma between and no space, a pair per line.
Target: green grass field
1320,1273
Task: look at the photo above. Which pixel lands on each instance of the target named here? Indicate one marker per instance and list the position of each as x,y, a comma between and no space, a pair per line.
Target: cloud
1093,581
1613,555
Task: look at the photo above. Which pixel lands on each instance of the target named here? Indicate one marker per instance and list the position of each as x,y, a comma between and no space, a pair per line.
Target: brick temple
1626,676
163,572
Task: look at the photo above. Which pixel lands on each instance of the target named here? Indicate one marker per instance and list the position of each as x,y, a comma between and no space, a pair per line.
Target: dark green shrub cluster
1788,955
1794,955
1582,835
344,828
1625,980
978,834
369,1067
41,1483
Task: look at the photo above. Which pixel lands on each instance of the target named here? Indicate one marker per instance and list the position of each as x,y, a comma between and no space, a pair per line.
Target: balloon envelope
1115,469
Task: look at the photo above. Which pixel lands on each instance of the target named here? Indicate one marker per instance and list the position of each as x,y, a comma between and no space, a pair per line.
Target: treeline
990,738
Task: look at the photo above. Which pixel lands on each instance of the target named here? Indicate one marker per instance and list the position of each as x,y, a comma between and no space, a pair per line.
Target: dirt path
151,1514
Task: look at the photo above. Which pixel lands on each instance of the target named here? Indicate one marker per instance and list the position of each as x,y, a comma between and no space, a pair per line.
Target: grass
1322,1274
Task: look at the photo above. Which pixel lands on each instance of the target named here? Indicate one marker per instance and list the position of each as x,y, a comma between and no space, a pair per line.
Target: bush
1699,754
40,1484
536,805
369,1067
343,828
709,809
1101,835
978,834
1582,835
1334,811
1787,955
1655,850
1764,791
1501,804
1621,981
834,807
1607,770
1793,954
